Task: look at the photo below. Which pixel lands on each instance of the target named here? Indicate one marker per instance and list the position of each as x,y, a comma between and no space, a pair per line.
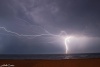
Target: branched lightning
24,34
39,35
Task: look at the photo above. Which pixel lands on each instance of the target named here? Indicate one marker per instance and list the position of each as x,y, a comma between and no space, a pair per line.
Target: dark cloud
25,17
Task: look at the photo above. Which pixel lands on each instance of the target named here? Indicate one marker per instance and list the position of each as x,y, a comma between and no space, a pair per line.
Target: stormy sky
36,17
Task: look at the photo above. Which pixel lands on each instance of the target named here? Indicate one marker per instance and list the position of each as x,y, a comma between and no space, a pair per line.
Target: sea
50,56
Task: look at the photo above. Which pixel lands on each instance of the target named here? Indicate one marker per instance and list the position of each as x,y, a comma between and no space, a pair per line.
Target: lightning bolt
24,34
34,36
67,40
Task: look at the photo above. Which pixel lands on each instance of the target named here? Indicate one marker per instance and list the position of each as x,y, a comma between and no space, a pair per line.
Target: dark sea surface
50,56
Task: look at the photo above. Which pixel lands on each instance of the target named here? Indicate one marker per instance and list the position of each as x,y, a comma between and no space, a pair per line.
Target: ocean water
50,56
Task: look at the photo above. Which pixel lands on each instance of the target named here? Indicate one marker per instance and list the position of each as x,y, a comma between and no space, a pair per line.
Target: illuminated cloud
42,21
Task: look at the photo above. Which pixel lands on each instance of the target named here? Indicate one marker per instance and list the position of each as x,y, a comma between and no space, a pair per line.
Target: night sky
36,17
